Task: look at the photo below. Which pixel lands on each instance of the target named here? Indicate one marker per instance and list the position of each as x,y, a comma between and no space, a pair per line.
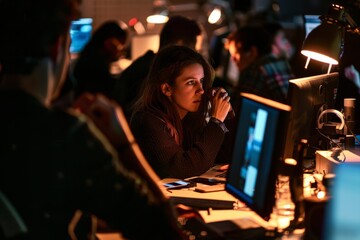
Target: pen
209,211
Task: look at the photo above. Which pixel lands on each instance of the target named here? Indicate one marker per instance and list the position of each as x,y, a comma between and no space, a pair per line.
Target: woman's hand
220,104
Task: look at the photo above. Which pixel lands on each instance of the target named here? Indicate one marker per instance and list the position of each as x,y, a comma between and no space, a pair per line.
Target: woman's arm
167,158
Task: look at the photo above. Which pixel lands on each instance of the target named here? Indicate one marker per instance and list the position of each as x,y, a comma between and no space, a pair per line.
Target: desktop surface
327,161
235,221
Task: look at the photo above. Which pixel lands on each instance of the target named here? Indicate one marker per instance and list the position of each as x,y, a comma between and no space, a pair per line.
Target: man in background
281,46
261,73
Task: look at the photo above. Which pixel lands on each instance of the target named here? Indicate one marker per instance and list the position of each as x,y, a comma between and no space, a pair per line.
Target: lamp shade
215,16
324,43
160,12
159,16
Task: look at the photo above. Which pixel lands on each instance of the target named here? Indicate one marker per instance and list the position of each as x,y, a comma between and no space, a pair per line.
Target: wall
124,10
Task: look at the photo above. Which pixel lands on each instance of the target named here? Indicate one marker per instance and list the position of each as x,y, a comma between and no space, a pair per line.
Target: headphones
339,126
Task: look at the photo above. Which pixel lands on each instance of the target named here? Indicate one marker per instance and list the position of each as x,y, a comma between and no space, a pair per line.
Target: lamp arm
338,15
352,26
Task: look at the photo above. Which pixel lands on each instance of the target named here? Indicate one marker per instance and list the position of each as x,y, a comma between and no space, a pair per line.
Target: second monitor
308,97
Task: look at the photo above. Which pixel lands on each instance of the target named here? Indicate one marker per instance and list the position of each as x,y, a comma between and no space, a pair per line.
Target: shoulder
270,61
67,120
142,62
147,125
77,132
143,118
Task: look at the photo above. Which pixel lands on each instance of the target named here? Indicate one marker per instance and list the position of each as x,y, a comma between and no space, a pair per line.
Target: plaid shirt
267,77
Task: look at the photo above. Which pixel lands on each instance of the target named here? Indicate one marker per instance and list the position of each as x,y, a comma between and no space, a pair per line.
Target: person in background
56,166
261,73
350,88
179,30
281,46
352,74
178,84
92,68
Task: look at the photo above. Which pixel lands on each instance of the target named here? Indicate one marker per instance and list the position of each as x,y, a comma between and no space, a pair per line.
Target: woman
173,95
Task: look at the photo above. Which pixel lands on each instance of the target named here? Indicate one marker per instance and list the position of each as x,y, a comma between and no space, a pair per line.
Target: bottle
349,117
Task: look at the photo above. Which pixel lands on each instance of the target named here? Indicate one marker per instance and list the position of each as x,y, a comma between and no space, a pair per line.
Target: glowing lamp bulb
214,16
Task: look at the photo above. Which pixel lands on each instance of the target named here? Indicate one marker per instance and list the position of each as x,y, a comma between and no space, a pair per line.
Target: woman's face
187,91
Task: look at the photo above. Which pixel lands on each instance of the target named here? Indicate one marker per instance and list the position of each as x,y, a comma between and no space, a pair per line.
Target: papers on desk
326,163
215,200
242,218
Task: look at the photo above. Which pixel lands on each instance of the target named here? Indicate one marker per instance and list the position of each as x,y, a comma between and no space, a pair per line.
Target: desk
216,200
325,163
240,215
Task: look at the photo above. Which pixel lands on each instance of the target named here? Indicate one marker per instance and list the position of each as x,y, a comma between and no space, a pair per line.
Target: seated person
178,87
281,46
92,68
261,72
353,75
55,165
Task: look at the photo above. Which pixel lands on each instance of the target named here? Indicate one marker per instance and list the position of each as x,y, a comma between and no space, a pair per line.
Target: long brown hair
167,66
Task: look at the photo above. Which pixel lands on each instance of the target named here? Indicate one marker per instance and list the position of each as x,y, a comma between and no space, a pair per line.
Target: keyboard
195,228
244,229
203,203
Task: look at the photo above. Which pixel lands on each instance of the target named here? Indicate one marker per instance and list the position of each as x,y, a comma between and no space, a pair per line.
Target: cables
352,133
336,148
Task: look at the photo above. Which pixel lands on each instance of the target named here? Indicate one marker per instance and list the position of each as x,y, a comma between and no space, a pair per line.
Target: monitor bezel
264,206
304,103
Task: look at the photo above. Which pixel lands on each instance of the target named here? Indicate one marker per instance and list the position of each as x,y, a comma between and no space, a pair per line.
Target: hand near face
220,104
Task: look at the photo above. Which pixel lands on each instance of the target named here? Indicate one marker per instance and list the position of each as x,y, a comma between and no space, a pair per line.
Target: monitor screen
80,34
342,219
311,22
308,97
257,152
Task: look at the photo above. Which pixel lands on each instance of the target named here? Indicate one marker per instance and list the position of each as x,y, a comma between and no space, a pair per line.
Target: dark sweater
52,163
169,159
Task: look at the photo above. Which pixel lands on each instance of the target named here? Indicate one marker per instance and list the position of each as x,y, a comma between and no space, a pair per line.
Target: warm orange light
319,57
321,195
215,16
157,19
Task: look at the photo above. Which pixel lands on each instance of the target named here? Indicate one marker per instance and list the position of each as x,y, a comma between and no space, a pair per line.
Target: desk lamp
218,11
160,12
325,42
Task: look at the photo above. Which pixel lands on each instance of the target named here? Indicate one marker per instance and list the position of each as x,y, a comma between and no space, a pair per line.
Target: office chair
12,225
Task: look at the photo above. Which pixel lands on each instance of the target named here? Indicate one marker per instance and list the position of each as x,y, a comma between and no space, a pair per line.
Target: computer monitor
308,97
311,22
80,34
257,153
